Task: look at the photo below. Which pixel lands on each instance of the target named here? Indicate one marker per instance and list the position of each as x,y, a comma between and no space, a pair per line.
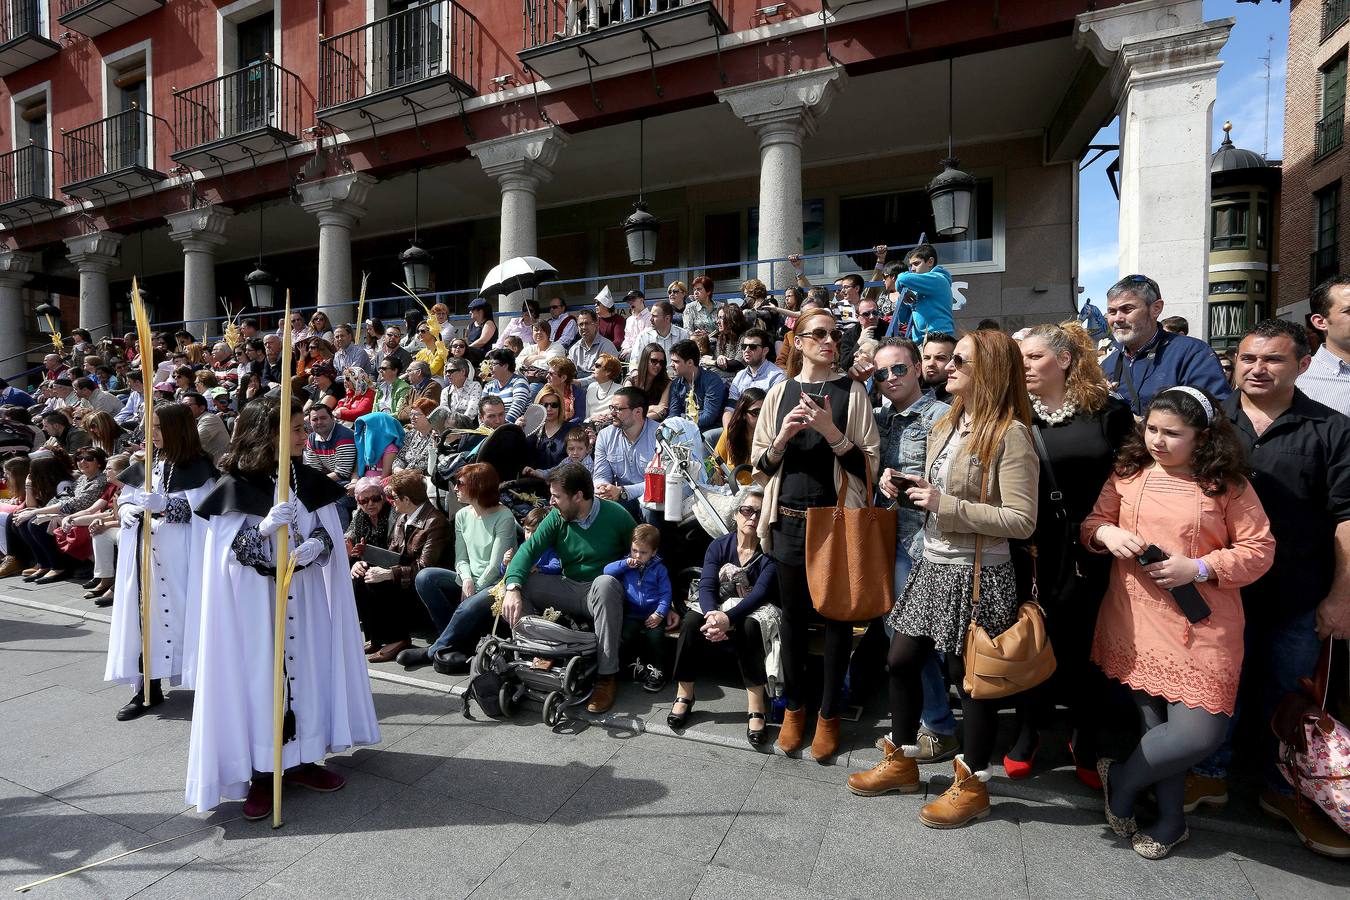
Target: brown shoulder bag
850,558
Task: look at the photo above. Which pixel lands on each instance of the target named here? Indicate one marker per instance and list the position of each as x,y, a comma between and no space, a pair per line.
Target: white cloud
1097,261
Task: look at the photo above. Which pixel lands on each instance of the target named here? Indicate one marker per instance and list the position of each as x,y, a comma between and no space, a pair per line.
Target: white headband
1198,396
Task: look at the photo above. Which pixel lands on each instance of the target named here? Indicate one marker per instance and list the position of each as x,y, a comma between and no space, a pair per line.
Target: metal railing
1323,263
1330,131
1334,15
262,95
118,142
19,18
25,173
556,20
426,41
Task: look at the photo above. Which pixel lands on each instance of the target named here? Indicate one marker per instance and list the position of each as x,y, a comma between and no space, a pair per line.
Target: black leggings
43,547
745,641
798,614
979,718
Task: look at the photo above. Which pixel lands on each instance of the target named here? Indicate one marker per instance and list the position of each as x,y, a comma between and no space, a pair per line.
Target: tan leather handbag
1019,658
850,558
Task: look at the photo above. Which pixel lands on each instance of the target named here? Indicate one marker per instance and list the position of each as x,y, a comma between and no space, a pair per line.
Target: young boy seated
647,595
578,445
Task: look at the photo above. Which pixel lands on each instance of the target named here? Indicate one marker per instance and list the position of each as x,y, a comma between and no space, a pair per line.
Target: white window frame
18,101
227,34
110,67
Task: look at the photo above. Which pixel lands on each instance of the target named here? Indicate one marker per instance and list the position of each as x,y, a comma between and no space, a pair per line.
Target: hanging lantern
951,195
416,269
641,229
262,287
48,319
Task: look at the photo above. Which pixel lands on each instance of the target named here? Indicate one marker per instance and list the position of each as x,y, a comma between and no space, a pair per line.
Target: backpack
486,681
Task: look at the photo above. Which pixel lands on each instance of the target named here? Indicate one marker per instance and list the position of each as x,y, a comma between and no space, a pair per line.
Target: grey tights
1176,737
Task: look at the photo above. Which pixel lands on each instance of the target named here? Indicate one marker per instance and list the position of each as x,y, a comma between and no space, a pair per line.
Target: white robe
175,572
330,684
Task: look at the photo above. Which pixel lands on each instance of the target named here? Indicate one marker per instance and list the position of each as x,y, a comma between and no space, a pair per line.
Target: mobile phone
1187,596
901,483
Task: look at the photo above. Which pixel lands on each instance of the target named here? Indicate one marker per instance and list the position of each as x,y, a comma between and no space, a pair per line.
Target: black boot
137,705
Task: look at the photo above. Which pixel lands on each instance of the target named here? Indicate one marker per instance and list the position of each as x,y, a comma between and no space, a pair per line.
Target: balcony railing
19,18
1330,132
1323,264
1334,15
556,20
263,97
114,144
25,174
430,41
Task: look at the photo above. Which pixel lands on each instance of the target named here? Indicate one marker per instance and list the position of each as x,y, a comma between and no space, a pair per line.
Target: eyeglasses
619,409
753,411
364,501
748,347
80,459
656,361
748,512
959,361
674,291
551,405
388,369
820,334
899,370
868,314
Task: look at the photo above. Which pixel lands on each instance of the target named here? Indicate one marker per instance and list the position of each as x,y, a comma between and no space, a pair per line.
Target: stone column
15,272
520,163
200,232
94,255
338,203
782,111
1163,60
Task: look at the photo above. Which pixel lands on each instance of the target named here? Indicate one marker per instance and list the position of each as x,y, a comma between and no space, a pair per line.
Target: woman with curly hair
1178,487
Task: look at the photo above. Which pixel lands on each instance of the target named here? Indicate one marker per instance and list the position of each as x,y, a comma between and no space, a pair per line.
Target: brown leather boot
10,566
825,744
964,802
792,733
895,773
602,698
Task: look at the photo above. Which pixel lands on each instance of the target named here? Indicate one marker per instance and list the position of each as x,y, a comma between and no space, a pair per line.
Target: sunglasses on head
820,334
899,370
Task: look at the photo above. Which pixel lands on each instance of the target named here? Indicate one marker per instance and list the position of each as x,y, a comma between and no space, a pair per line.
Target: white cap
605,298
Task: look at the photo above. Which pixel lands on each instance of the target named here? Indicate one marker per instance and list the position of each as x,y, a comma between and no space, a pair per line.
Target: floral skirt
936,602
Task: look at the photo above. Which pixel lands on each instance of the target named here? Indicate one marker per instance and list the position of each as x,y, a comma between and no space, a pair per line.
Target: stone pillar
1163,60
338,203
520,163
94,255
782,111
200,231
15,272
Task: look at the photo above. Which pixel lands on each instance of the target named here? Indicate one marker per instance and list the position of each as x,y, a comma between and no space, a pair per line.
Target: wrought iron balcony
1334,15
1330,132
26,182
93,17
238,115
395,65
1323,264
562,36
110,155
21,40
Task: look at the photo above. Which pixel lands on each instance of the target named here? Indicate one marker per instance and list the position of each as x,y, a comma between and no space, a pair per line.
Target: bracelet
843,440
774,453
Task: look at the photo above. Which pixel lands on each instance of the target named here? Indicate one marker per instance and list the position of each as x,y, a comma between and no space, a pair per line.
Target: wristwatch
1202,571
623,493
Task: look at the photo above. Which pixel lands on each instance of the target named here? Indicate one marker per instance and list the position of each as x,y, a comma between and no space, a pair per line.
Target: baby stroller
568,682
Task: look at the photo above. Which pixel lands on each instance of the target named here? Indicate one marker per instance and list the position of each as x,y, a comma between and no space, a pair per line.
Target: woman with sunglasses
104,432
978,494
815,434
369,526
736,594
359,397
548,446
432,351
320,326
390,391
652,377
422,433
561,376
734,446
677,295
181,478
459,348
54,560
461,393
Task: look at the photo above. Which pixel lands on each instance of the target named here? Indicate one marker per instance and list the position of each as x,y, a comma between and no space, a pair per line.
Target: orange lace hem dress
1142,638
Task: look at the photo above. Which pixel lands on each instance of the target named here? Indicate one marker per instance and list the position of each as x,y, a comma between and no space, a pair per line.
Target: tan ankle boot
825,744
964,802
792,732
10,566
896,772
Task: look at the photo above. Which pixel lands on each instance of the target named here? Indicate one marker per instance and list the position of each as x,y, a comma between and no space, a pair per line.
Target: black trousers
43,547
693,650
798,614
979,718
388,611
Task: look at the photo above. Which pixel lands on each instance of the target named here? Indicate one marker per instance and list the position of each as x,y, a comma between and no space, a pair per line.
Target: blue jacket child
646,590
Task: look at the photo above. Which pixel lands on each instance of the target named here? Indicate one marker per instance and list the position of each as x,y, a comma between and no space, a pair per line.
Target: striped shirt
336,454
1327,380
515,394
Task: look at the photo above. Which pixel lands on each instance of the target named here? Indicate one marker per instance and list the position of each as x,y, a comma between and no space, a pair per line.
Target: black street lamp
416,269
641,227
48,319
952,192
262,287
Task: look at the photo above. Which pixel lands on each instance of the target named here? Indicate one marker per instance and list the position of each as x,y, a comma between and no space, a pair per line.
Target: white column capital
16,268
94,253
787,107
201,229
340,200
521,161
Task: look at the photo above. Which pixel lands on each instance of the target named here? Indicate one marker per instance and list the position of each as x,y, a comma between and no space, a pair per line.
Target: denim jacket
904,448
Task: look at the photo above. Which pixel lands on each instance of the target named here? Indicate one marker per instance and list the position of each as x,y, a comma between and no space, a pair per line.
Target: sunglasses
899,370
1143,279
959,361
820,334
364,501
551,405
80,459
674,291
753,411
655,361
749,512
869,314
749,347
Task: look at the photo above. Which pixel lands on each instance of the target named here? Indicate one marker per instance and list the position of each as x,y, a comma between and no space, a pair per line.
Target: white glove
129,515
156,503
307,552
281,514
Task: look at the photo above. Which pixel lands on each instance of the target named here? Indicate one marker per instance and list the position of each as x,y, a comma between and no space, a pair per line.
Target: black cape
182,477
254,494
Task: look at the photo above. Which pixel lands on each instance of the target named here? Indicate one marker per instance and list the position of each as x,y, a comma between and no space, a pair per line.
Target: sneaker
934,748
653,680
1201,789
1317,832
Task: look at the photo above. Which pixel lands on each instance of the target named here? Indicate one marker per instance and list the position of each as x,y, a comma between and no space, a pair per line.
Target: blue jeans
461,621
937,708
1279,653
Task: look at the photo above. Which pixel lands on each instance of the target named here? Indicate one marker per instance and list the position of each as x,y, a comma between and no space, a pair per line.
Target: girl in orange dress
1178,485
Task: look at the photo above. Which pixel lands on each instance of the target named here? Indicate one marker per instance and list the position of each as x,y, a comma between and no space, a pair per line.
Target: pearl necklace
1063,414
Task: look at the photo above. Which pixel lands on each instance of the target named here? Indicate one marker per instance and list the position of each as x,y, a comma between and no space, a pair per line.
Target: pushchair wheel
553,704
485,653
572,680
506,699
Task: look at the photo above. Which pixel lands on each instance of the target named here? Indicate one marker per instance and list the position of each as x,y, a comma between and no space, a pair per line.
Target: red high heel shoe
1017,769
1088,777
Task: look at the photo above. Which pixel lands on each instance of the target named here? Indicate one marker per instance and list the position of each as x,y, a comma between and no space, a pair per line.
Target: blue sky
1241,99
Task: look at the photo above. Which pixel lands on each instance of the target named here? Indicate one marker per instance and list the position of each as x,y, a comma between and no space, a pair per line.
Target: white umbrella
517,274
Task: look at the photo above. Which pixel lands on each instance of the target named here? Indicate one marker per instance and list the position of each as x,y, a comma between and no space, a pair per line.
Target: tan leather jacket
1009,510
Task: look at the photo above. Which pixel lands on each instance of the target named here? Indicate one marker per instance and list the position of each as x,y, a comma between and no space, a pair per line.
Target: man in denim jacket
905,420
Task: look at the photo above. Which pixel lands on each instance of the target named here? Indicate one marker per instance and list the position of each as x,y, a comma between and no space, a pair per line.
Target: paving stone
200,880
556,862
779,829
728,884
401,710
140,792
413,757
28,646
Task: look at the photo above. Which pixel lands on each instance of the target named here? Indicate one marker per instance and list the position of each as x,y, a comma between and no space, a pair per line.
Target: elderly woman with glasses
605,375
359,398
461,394
699,315
440,320
369,526
425,421
736,595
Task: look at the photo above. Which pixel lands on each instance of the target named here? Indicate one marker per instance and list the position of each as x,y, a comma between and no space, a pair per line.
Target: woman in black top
1081,426
812,427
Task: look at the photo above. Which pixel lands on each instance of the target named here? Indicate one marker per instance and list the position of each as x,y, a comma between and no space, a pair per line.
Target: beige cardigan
1009,510
861,428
